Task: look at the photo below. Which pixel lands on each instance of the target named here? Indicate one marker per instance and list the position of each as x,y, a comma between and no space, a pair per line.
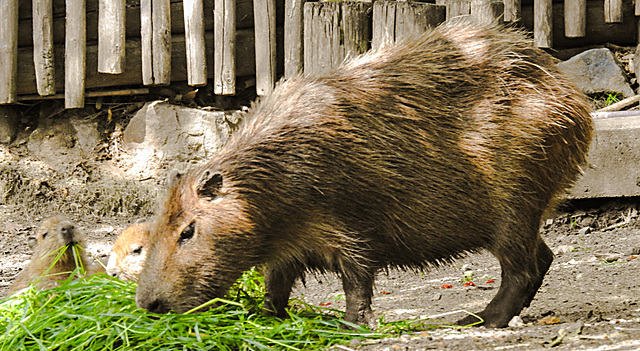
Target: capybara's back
129,252
52,235
411,156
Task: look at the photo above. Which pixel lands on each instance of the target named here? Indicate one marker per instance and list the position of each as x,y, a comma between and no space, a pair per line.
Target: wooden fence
48,46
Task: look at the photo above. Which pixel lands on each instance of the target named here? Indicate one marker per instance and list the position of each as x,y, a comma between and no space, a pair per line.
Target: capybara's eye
44,235
187,233
137,250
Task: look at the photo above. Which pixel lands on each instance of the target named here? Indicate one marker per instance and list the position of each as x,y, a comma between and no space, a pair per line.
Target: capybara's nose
114,272
66,229
153,305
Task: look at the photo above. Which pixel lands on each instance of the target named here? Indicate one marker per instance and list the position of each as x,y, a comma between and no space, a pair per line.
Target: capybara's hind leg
278,281
523,270
358,291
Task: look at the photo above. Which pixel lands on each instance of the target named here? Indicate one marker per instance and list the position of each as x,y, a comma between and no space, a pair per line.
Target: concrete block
614,158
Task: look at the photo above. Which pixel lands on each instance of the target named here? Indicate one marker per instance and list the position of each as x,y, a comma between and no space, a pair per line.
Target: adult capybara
407,157
129,252
54,233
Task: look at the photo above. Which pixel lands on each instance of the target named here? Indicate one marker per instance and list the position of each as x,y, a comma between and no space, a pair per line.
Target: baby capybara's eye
187,233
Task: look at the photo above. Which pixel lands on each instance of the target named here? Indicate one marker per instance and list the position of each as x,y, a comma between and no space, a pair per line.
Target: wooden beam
264,12
194,35
543,23
224,74
293,37
8,51
43,47
75,54
161,42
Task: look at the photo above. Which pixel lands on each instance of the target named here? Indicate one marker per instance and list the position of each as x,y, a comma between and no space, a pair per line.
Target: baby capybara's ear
209,185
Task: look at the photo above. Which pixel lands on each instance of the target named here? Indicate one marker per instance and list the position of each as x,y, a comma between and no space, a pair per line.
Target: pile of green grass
99,313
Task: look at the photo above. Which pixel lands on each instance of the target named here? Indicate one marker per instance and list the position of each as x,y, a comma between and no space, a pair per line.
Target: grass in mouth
99,313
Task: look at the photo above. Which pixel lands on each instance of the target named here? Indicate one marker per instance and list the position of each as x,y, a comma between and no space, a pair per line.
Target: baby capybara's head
200,243
129,252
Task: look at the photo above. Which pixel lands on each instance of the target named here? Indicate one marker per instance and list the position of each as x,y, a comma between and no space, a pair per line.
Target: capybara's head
200,243
54,233
129,252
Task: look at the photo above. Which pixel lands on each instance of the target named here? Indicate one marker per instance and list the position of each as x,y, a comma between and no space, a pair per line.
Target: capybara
408,157
54,233
129,252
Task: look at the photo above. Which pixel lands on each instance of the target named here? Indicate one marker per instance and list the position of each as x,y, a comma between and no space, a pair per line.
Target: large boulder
597,71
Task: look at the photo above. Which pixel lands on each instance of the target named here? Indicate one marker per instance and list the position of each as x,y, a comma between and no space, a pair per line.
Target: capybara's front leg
278,281
358,291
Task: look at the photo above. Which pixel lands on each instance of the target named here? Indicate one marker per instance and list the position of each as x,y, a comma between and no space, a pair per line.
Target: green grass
99,313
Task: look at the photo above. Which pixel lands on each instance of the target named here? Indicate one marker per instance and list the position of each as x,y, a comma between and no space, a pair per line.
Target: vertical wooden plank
512,10
194,42
264,14
161,42
458,8
543,23
356,29
8,50
332,32
413,18
293,25
111,36
224,47
75,53
43,47
487,11
575,18
613,11
146,40
384,23
637,10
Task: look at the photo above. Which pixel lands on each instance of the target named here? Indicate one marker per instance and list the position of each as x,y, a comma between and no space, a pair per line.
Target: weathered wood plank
265,30
75,54
458,8
293,39
224,47
132,74
384,23
43,47
330,36
111,36
512,10
146,35
543,23
413,18
487,11
575,18
8,50
161,42
613,11
195,44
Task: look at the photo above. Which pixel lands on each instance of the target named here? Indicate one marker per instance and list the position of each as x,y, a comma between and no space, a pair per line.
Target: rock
608,257
562,249
585,230
516,322
8,124
597,71
161,134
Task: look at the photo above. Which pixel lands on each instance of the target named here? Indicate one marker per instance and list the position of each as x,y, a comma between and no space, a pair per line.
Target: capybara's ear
31,241
209,185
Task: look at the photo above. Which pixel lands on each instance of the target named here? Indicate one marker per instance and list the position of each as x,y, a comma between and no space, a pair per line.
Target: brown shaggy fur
414,155
54,233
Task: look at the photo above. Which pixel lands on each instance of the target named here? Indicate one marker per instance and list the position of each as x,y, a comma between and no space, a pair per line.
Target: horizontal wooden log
597,32
244,19
132,74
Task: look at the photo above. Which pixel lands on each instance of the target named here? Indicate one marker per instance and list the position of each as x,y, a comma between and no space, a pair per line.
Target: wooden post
293,38
413,18
575,18
334,31
195,45
512,10
384,23
224,74
111,36
75,53
613,11
264,14
161,43
8,51
146,40
543,23
458,8
487,11
43,47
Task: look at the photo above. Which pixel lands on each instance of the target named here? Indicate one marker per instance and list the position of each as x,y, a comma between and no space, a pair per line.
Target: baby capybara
408,157
54,233
129,252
